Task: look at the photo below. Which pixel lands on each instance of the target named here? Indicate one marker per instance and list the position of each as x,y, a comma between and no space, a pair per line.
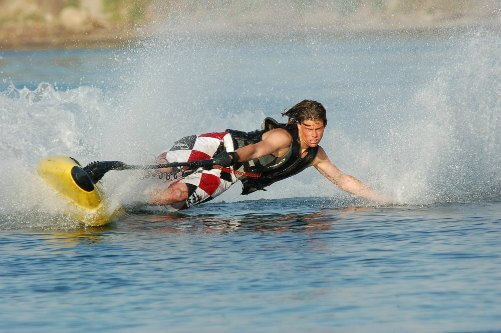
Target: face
311,132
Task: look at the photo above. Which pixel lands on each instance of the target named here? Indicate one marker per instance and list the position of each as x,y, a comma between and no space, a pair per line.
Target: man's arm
272,142
345,182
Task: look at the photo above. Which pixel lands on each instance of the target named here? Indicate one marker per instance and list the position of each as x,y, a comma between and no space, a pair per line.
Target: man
257,159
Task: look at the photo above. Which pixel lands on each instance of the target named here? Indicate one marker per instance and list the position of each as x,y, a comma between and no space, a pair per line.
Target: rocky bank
99,23
71,23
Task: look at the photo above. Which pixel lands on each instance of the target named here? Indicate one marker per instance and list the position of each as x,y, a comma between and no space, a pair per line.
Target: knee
178,192
175,193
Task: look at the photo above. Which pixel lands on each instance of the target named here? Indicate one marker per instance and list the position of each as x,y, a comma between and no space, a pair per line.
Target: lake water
417,117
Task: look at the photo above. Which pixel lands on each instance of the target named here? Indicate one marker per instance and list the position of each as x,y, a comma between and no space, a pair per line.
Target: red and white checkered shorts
203,185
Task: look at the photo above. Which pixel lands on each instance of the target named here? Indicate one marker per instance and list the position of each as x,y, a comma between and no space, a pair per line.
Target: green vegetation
136,13
72,3
34,17
125,10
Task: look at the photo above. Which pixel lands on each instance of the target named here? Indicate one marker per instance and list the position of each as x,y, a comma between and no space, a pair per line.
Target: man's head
306,110
310,118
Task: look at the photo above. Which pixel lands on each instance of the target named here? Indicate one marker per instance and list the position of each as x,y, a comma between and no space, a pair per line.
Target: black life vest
271,168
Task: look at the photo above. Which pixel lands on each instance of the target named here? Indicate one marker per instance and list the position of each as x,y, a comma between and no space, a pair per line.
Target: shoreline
34,39
76,24
101,39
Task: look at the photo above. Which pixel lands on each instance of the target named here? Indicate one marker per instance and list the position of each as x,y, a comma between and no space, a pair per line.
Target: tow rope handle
96,170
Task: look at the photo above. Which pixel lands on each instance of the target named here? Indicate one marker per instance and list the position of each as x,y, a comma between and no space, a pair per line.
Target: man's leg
201,185
175,195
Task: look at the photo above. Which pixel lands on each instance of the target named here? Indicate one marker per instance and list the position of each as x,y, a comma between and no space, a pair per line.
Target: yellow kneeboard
86,202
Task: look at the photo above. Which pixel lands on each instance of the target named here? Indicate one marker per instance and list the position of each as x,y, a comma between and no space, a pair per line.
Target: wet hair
306,110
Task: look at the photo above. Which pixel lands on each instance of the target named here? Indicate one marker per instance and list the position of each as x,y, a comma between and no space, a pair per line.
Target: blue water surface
268,265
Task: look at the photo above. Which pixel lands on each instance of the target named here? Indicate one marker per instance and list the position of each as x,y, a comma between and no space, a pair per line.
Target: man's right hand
225,159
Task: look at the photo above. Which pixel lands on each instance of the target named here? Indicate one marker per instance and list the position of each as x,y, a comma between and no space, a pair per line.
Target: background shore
40,24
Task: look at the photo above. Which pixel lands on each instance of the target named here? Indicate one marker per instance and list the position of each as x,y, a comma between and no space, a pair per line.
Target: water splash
34,124
39,122
448,148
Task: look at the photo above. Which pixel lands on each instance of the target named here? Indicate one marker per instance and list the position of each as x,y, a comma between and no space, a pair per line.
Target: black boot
97,169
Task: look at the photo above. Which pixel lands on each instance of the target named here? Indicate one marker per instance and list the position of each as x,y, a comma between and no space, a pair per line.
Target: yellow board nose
85,200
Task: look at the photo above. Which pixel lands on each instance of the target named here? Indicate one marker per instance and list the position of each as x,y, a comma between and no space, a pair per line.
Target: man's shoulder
321,150
320,156
277,134
278,137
